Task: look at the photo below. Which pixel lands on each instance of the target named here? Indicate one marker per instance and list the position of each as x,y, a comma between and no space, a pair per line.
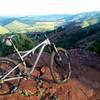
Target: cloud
39,7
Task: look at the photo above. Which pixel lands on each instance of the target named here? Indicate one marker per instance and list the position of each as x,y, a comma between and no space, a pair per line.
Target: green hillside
3,30
17,27
89,22
46,26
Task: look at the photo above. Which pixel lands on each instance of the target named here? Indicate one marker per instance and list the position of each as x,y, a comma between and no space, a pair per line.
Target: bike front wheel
60,66
6,65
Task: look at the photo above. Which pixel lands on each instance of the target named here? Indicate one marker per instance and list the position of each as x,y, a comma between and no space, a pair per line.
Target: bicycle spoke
60,66
5,66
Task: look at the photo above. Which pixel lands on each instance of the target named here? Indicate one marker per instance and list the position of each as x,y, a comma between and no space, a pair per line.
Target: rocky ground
84,83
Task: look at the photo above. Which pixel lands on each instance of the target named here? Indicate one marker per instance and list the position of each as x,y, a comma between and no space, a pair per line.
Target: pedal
14,89
39,81
26,76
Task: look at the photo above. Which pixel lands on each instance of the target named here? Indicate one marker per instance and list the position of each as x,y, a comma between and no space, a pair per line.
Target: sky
46,7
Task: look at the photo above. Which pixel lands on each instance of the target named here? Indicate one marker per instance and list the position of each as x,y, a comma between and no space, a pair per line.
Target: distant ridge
43,23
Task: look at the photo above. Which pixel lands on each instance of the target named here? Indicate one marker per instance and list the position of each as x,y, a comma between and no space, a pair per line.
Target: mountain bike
11,71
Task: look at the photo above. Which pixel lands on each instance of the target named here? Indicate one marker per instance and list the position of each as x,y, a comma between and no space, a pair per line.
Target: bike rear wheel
60,66
6,65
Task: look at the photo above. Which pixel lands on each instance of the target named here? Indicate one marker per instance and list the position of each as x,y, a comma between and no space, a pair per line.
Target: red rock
83,85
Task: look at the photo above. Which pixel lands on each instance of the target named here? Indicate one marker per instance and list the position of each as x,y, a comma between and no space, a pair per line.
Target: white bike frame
42,45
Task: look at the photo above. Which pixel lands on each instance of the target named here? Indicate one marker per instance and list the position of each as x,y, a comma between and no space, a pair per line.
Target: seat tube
16,50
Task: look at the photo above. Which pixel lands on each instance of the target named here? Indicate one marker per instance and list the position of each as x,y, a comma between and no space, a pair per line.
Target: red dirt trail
84,83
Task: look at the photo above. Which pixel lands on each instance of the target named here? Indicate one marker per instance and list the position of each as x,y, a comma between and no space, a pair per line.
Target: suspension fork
54,48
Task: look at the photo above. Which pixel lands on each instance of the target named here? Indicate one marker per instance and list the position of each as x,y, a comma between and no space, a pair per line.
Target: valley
79,34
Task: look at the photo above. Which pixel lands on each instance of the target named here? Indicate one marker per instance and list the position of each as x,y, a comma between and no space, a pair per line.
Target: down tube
37,59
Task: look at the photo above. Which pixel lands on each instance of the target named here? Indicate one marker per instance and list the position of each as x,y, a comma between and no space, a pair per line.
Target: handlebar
4,37
10,37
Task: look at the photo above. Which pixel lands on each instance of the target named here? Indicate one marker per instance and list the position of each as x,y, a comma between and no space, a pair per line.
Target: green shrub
22,42
95,47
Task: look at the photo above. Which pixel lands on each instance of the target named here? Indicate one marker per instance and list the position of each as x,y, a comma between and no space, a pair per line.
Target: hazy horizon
46,7
44,14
